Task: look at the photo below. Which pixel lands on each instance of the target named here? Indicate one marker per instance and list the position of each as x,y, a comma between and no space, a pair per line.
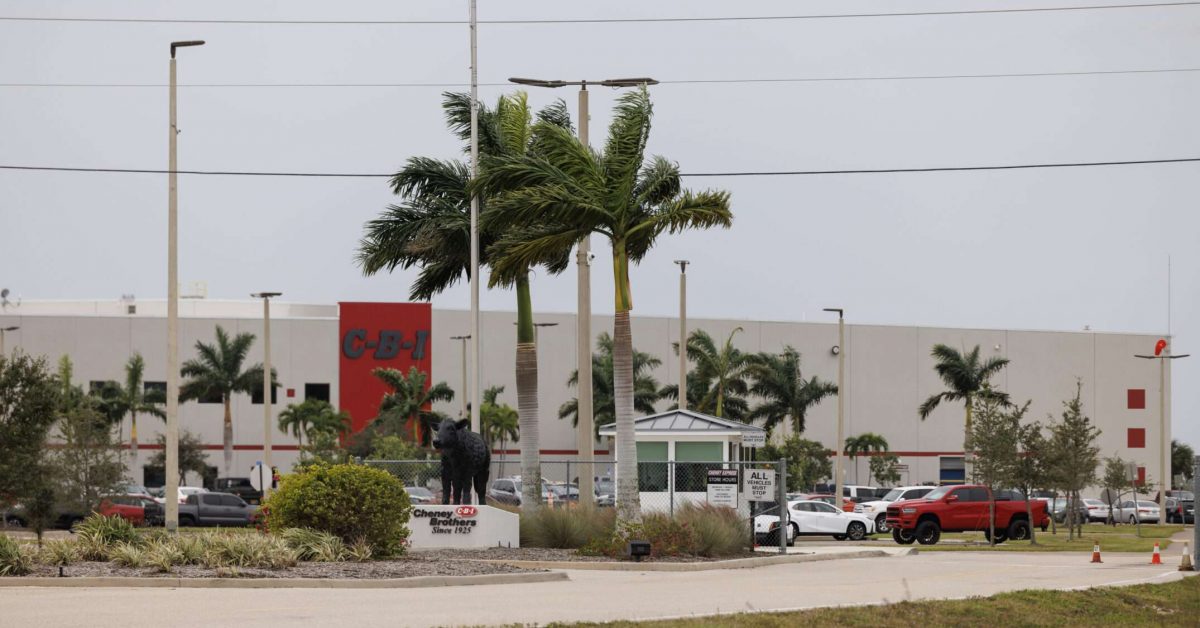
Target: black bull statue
466,462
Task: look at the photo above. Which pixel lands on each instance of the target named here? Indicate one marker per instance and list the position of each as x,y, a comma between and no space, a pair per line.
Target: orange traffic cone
1186,564
1096,553
1157,560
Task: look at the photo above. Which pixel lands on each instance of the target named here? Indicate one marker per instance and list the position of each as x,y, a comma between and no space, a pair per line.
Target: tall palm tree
431,230
500,422
217,372
571,191
603,401
786,394
722,373
313,417
131,398
864,443
409,405
965,375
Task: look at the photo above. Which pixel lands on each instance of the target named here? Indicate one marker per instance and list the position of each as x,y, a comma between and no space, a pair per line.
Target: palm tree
500,422
965,376
217,372
132,398
313,417
779,381
431,230
722,373
410,403
603,401
862,444
570,191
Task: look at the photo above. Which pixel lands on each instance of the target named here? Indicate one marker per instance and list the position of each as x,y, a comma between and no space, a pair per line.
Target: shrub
719,530
59,553
566,528
162,554
697,530
14,559
126,555
314,545
191,549
360,551
347,501
92,547
246,550
108,530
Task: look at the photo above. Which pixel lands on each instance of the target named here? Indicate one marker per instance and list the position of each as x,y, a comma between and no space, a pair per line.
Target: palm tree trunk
228,437
133,447
527,401
628,499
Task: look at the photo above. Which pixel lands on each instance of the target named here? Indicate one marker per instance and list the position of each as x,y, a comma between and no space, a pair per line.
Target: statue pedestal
463,527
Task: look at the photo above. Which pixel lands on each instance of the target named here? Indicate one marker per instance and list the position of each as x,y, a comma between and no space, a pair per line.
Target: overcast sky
1046,249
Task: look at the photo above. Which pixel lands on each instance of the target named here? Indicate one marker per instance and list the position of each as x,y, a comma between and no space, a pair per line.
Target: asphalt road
590,595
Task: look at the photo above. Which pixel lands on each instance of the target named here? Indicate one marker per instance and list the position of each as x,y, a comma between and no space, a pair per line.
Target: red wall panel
1136,399
1135,438
378,335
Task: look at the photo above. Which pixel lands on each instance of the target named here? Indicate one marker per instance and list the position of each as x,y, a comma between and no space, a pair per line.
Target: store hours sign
463,526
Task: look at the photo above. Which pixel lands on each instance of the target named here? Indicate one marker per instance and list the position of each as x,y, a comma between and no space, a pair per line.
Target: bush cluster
696,530
15,560
566,528
355,503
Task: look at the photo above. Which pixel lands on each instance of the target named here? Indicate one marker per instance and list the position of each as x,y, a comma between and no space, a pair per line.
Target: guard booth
675,450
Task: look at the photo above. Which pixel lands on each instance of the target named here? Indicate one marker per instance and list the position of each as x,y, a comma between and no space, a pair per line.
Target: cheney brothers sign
463,526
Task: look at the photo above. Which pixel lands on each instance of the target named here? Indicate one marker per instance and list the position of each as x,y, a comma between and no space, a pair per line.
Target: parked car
961,508
1097,510
183,494
507,491
216,509
876,510
420,495
848,503
1181,510
240,487
562,494
63,518
137,489
127,507
1058,509
813,518
1143,512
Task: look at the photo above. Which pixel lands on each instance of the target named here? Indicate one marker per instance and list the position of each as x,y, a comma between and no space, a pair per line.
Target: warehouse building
327,351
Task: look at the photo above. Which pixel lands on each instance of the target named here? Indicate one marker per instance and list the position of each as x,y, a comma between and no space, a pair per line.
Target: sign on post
754,439
722,487
759,485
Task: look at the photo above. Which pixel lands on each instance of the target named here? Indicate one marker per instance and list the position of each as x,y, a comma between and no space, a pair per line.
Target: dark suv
1181,510
240,487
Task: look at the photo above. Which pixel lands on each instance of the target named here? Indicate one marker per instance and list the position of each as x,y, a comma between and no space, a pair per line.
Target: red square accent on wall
1141,476
291,392
1136,399
1136,438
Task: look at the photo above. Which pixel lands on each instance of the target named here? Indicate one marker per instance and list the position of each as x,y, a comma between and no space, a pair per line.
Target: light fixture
835,350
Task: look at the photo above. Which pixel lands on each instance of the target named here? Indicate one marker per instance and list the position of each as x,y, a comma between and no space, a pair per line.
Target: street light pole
1162,353
585,439
268,385
463,341
841,445
3,330
682,333
476,392
171,455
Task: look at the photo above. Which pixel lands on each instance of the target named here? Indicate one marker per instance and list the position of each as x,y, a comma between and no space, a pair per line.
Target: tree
807,461
883,469
217,374
1116,482
1182,459
1073,454
132,399
29,396
87,462
410,404
191,455
1030,473
570,191
736,408
864,443
311,417
964,375
786,394
723,371
603,397
500,421
993,444
432,230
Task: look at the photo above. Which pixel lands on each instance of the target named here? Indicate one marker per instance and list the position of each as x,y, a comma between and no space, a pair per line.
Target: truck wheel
856,531
903,537
881,524
1018,530
1001,536
186,521
795,533
928,533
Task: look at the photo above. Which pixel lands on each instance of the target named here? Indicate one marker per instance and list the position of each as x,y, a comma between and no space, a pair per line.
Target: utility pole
268,387
1162,353
463,341
841,444
682,333
475,390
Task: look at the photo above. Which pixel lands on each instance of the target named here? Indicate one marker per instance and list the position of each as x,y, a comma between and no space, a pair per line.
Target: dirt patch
562,555
406,567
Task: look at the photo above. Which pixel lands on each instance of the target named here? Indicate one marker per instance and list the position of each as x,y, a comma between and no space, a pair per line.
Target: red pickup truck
961,509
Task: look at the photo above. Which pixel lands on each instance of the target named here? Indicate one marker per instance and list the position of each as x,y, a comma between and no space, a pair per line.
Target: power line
908,77
764,173
744,18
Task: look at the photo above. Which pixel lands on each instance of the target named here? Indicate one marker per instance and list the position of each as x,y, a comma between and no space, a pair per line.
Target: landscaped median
1122,538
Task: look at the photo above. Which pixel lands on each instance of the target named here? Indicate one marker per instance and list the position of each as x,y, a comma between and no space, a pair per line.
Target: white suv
877,510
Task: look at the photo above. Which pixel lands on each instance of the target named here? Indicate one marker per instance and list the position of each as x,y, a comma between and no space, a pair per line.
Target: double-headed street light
585,440
841,444
3,330
463,340
1162,353
171,455
268,385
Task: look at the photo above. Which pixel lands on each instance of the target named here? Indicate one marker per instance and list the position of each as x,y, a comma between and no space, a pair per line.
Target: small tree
883,469
1029,471
1116,481
499,422
864,443
1073,455
1182,457
191,454
808,461
88,462
993,442
28,398
312,417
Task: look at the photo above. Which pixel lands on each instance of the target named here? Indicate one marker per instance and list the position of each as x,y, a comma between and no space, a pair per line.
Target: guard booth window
691,477
652,467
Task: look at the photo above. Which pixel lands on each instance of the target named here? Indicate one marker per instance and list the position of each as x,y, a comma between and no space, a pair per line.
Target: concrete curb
284,583
737,563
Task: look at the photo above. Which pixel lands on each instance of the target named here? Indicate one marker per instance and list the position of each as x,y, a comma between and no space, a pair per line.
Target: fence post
781,489
671,469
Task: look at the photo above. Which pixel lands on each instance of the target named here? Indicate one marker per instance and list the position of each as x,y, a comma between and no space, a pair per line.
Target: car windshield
939,492
893,495
1142,504
1093,502
1186,496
